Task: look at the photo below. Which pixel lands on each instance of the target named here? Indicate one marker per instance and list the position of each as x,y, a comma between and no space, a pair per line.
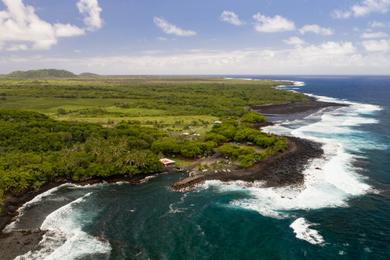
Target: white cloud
373,35
295,41
376,24
277,23
67,30
231,17
365,8
377,45
339,14
91,10
337,48
22,29
169,28
315,28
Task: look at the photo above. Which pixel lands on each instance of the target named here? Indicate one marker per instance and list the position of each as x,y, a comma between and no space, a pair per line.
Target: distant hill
45,73
89,75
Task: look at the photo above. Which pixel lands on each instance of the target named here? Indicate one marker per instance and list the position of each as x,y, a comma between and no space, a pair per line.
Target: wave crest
65,238
302,231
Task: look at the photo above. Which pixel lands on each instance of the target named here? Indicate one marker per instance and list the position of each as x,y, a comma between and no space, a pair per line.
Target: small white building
167,162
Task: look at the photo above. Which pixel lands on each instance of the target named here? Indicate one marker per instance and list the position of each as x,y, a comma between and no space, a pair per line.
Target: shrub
226,129
61,111
217,138
166,146
246,156
247,160
234,151
253,117
187,149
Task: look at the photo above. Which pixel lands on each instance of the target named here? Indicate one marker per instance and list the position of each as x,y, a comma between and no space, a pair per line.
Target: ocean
342,211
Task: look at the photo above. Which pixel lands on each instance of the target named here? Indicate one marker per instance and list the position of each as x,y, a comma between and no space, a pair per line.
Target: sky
263,37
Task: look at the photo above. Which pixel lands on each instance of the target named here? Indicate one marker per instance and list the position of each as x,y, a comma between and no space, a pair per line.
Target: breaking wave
303,231
64,237
10,227
43,196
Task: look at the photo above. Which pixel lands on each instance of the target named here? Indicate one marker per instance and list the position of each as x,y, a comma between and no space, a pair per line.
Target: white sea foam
10,227
148,178
291,85
64,238
173,207
45,194
302,229
173,210
227,78
298,83
329,181
40,197
89,186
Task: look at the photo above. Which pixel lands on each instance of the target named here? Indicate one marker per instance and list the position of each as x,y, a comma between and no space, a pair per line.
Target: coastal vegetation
257,145
36,149
81,129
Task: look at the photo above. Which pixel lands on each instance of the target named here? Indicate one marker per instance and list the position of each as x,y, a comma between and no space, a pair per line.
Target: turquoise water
343,211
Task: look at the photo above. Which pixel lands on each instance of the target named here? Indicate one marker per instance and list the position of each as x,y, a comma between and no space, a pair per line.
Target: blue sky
197,37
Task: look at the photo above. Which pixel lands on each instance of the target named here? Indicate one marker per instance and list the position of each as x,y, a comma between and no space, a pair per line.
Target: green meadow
172,103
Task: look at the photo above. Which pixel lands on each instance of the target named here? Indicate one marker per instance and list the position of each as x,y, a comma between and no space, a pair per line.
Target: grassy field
176,104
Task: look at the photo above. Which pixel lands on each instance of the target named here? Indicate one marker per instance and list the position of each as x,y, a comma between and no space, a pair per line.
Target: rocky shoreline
306,106
279,170
19,242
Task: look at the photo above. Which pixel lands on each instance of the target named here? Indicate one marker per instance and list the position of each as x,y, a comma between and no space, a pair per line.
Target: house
167,162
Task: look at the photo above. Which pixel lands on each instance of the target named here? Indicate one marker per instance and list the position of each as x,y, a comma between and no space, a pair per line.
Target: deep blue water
365,89
347,201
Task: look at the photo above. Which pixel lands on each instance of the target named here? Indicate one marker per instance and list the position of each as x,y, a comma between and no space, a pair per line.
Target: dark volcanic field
292,108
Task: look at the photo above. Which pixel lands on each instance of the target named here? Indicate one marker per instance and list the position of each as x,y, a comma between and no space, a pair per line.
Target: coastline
278,170
306,106
15,243
12,202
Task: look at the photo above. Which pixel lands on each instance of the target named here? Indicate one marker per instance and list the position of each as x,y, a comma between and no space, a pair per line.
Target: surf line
329,181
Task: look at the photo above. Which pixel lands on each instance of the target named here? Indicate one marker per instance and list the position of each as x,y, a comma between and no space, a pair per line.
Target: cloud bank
326,58
382,45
